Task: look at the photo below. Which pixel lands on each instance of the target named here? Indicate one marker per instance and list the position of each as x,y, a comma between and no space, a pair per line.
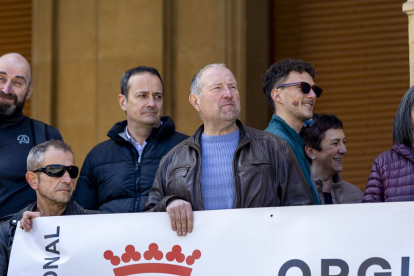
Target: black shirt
327,198
16,140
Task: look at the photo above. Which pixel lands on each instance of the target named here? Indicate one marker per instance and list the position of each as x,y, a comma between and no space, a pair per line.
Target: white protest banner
355,240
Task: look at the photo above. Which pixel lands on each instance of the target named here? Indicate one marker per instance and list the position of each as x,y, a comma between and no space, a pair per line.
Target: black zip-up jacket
8,229
265,172
112,180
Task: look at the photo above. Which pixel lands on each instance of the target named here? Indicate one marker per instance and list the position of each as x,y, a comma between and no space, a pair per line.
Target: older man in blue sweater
225,164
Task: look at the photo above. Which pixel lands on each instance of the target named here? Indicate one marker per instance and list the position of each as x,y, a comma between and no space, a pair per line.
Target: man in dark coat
117,174
51,174
18,133
225,164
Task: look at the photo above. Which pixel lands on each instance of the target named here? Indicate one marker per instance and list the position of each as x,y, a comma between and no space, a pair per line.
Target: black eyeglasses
306,88
59,170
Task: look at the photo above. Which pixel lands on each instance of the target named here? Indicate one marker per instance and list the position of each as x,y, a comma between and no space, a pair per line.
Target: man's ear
309,151
195,101
122,101
32,179
275,94
29,92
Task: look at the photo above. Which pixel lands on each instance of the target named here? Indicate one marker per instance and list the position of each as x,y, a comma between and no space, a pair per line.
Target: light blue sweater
217,184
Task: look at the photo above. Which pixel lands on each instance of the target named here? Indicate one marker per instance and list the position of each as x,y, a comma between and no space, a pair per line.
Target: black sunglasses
59,170
306,88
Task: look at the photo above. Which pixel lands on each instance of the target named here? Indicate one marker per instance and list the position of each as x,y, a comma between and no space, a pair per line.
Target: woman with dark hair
392,175
325,149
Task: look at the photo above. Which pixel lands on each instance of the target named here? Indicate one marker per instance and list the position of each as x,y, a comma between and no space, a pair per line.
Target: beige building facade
80,49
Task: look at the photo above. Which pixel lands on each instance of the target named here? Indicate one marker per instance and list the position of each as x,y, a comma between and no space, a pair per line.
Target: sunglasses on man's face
306,87
59,170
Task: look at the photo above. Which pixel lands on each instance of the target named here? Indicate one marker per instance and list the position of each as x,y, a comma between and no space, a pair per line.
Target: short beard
8,110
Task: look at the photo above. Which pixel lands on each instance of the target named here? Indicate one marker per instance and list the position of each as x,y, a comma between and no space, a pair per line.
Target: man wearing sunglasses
291,92
118,173
51,174
18,133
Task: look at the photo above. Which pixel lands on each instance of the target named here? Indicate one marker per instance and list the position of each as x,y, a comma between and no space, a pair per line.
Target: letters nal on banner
356,240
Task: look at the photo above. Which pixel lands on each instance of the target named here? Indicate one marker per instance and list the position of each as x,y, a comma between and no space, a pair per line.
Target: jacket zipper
180,169
140,156
236,197
137,168
200,196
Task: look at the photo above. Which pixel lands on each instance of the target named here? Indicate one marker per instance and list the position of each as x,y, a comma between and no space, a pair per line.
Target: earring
313,157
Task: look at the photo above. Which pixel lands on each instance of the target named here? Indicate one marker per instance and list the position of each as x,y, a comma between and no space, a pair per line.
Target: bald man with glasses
51,173
291,92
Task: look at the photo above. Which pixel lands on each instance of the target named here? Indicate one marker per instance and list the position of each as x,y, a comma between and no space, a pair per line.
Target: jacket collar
16,217
336,182
404,150
243,132
287,130
73,208
6,122
117,132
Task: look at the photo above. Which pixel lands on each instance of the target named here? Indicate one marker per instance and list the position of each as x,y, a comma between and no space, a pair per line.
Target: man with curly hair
291,92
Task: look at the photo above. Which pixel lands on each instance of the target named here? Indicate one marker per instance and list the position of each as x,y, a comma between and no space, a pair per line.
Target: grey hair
196,85
37,154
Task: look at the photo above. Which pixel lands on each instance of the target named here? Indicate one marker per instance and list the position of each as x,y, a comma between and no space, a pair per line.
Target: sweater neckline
8,121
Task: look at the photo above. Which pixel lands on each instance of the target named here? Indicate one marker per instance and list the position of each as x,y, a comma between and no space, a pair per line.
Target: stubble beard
57,199
301,116
8,110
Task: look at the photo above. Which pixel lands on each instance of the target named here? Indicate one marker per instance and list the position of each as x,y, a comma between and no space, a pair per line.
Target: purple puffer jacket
392,176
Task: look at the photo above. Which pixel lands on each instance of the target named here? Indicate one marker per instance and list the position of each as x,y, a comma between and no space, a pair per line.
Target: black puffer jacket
112,180
8,229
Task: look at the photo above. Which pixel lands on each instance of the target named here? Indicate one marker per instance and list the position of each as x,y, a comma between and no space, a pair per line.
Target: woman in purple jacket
392,175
